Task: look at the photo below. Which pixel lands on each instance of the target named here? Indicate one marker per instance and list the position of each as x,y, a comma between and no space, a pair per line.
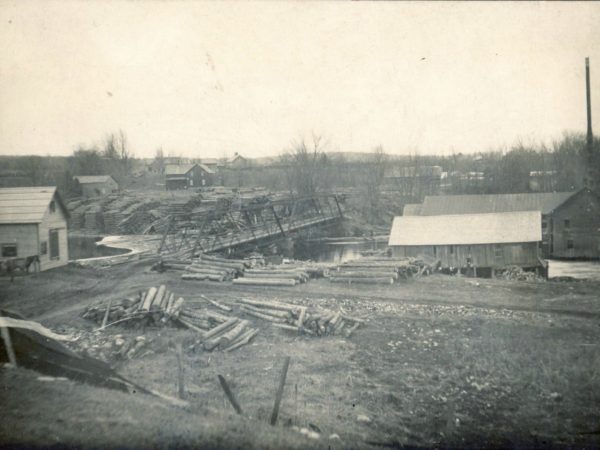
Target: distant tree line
308,167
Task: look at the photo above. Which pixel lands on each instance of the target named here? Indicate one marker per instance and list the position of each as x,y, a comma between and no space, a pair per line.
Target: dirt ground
441,361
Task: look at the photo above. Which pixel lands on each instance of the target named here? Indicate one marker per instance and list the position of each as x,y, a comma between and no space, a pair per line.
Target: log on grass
190,325
149,298
177,307
271,305
374,280
158,298
201,277
263,316
269,312
265,282
242,340
230,336
217,304
221,328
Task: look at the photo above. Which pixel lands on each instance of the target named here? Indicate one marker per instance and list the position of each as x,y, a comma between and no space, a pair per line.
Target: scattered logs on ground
301,319
159,307
155,306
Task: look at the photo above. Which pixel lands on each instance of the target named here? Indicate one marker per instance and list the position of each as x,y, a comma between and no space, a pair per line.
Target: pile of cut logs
206,267
381,270
282,274
156,305
300,319
160,307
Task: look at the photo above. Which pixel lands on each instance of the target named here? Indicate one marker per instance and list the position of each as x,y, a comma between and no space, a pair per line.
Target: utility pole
590,136
590,159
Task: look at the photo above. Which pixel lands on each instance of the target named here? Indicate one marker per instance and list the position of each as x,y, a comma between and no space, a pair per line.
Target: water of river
85,247
575,269
336,252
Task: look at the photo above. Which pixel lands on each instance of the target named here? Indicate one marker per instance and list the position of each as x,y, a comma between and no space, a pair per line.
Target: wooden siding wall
53,221
90,190
486,255
24,235
583,214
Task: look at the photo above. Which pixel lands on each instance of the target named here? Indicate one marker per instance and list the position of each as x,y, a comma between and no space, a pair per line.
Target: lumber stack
300,319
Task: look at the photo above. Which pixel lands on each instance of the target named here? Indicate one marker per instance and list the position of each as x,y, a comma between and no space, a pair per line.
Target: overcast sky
210,79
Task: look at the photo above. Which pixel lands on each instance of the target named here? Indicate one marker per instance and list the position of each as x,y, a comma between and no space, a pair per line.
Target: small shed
90,186
480,240
187,176
33,223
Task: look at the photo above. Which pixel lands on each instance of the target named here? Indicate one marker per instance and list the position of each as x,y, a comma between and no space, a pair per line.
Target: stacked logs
273,277
300,319
289,274
381,270
206,267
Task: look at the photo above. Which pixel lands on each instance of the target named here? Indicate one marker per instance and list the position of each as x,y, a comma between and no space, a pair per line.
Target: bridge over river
237,226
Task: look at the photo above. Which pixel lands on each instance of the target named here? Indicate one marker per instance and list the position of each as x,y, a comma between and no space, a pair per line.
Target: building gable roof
206,168
178,169
545,202
92,179
27,204
467,229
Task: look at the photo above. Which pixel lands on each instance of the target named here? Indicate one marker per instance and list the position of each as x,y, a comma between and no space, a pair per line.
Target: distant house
188,176
90,186
470,240
570,221
237,161
33,222
211,163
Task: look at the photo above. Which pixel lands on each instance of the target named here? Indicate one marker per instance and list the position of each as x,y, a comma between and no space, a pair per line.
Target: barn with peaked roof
33,223
570,221
188,176
490,240
90,186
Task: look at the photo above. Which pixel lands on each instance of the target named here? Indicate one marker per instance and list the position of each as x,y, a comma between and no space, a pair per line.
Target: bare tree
159,160
116,149
306,166
373,175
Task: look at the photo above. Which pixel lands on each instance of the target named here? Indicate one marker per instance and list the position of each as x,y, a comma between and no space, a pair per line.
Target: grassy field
441,361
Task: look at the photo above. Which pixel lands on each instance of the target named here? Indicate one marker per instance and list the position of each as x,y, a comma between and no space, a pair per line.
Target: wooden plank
180,379
229,394
279,395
